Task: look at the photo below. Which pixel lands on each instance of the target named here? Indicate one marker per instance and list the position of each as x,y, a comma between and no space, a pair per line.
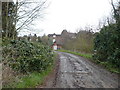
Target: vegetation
8,20
82,43
27,57
107,43
20,15
22,58
33,79
104,45
33,60
88,56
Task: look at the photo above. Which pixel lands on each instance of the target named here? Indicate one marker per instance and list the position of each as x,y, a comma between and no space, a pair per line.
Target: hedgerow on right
107,41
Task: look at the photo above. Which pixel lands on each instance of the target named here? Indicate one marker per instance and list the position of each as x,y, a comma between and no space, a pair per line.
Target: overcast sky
71,15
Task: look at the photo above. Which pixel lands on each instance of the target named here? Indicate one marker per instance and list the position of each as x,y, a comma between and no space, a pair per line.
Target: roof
60,38
50,35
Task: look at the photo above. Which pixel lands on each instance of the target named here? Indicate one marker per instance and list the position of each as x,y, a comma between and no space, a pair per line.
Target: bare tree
27,12
116,10
7,18
24,12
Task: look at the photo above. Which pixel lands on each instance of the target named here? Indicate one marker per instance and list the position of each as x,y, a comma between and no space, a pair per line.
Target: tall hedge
107,41
24,56
107,45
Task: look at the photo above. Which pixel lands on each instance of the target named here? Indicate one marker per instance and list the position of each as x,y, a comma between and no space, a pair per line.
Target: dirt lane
77,72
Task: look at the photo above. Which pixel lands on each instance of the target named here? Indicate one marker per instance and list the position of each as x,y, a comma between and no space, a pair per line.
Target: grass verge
106,65
109,66
88,56
33,79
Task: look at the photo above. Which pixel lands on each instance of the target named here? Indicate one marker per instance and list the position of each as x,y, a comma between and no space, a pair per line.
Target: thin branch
32,15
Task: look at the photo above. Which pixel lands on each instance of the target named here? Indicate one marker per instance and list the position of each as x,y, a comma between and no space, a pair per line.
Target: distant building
59,39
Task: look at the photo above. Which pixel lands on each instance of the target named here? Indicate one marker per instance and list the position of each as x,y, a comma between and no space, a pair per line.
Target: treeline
34,38
83,42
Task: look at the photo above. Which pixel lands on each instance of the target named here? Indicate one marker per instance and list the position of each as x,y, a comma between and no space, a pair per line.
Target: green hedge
24,56
107,45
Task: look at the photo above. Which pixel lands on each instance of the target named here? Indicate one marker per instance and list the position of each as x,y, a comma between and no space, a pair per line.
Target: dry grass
8,76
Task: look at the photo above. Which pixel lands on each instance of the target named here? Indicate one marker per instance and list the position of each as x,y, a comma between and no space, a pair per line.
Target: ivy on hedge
24,56
107,42
107,45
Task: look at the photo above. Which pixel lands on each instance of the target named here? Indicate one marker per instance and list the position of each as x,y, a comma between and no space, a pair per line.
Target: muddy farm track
77,72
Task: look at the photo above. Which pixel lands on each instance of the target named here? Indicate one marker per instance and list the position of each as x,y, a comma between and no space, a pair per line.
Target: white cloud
72,14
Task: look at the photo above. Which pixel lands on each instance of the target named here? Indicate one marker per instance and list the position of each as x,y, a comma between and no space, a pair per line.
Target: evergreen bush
24,56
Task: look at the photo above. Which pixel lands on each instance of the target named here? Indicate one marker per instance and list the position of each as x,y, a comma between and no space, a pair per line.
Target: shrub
24,56
107,46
